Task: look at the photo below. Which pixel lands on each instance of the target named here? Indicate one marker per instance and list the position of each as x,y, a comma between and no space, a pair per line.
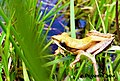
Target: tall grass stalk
103,25
6,55
80,69
25,74
72,19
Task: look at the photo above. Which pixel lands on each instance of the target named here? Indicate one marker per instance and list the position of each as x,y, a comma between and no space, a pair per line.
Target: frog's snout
56,37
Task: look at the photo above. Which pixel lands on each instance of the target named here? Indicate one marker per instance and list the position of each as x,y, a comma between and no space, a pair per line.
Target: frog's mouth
63,46
59,45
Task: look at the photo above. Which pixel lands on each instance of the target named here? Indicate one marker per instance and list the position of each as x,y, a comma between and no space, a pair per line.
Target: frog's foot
72,65
77,59
59,50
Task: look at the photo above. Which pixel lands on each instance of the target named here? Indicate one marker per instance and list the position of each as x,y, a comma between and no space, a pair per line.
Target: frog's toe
72,65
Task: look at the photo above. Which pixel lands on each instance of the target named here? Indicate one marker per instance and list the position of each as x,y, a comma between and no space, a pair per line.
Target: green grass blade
46,46
5,56
57,61
48,30
54,10
118,76
1,66
107,19
72,19
53,68
80,69
103,25
25,74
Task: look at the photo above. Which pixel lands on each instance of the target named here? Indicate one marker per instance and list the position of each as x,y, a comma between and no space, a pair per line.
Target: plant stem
72,19
117,24
103,24
79,71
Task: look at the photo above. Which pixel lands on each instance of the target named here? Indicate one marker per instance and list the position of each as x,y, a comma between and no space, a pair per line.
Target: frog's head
60,37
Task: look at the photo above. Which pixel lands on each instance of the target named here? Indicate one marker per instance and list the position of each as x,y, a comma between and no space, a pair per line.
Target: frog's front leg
77,59
59,50
79,53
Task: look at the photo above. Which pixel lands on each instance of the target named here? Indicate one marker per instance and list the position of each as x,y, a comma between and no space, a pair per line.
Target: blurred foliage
24,50
23,42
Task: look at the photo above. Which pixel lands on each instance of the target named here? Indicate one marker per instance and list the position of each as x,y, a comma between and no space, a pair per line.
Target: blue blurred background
59,23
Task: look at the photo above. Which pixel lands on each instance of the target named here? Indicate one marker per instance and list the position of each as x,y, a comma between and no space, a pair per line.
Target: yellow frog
94,43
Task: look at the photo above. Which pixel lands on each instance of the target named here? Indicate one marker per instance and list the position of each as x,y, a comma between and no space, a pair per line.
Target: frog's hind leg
104,45
91,57
96,33
99,47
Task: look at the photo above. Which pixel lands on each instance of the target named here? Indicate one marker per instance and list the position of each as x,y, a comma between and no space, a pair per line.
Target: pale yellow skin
94,43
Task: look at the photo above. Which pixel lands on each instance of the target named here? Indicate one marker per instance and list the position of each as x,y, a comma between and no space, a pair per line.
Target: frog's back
81,44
